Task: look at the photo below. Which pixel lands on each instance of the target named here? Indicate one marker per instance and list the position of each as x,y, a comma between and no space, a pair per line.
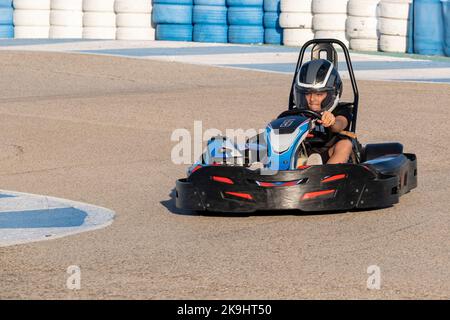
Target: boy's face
315,99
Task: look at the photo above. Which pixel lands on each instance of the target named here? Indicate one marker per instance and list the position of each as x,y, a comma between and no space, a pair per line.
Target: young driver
318,88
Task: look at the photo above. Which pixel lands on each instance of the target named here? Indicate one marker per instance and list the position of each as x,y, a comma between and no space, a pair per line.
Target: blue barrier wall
6,19
428,27
446,14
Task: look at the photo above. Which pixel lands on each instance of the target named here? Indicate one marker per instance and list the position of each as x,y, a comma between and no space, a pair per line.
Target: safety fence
412,26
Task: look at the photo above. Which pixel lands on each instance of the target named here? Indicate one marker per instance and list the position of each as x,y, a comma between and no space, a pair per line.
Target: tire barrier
180,2
216,15
98,5
6,3
362,25
133,6
395,25
172,14
66,19
31,4
428,27
210,3
327,6
296,19
271,20
125,33
174,32
67,5
390,43
99,19
6,19
134,20
6,31
296,6
210,33
245,19
363,8
245,3
210,22
273,36
446,12
297,37
273,33
272,5
246,34
330,19
31,19
360,44
246,16
173,19
6,16
420,26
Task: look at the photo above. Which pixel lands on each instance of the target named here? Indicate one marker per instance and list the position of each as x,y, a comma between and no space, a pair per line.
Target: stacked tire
362,25
31,19
6,19
273,33
296,20
66,19
428,27
329,20
210,21
446,11
134,20
99,19
245,19
173,19
395,25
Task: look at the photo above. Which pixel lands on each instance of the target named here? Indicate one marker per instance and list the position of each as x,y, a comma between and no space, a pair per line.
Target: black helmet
318,76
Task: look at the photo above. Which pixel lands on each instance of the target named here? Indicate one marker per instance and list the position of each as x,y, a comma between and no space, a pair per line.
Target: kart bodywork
226,179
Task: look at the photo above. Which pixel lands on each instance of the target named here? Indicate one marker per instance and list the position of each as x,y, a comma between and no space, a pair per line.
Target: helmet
318,76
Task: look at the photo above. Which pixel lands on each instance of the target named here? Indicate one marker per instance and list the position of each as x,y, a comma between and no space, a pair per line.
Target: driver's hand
328,119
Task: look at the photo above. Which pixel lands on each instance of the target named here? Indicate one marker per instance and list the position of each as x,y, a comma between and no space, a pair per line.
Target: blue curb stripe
198,51
6,196
49,218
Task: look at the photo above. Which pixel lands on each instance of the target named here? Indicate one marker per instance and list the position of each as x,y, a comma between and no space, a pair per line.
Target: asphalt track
97,130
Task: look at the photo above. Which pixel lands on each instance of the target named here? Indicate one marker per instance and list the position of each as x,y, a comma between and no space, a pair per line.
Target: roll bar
326,46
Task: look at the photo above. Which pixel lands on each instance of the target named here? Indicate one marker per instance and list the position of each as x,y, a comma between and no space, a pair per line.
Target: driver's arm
336,124
340,124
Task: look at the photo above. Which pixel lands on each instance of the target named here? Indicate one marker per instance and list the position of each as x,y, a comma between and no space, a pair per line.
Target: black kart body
375,177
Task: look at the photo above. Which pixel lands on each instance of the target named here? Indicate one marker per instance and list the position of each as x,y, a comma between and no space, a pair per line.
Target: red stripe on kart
240,195
267,184
334,178
222,179
290,183
196,168
315,194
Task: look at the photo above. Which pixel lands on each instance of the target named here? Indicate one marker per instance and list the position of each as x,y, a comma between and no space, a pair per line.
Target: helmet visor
301,99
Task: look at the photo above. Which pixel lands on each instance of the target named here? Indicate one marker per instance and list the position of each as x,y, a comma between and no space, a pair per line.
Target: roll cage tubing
326,45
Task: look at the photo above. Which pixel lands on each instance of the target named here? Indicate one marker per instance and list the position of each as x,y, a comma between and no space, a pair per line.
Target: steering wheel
313,114
306,112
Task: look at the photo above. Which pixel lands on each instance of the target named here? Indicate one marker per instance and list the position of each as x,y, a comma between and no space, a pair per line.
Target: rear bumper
317,188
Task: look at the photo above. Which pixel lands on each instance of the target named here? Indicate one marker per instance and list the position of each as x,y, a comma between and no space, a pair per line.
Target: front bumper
316,188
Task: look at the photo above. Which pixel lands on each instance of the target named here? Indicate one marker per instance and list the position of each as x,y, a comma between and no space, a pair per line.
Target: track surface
97,130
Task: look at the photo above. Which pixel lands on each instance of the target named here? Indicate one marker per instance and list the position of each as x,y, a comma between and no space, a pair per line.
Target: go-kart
268,171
